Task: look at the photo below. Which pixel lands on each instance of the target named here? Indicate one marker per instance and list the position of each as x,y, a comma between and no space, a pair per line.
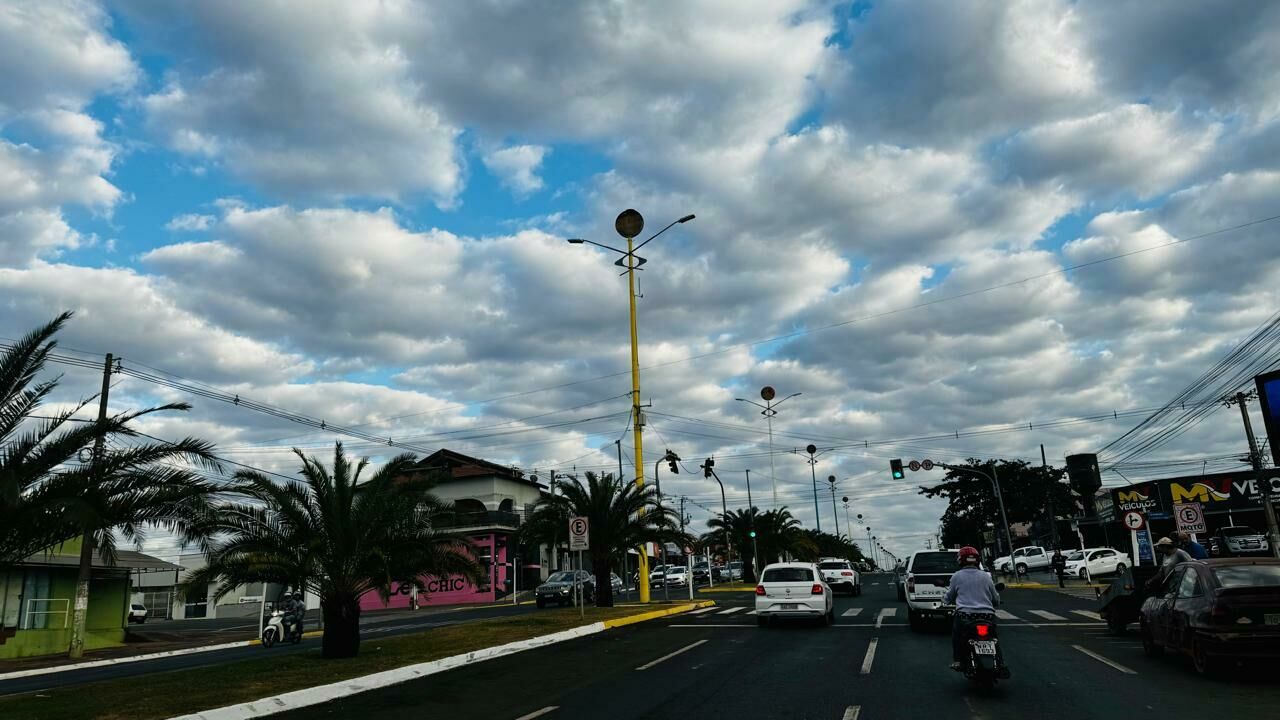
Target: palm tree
334,535
620,516
777,532
47,496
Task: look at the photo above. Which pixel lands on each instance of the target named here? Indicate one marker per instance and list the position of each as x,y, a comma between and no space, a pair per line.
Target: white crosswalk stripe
753,612
731,611
1088,613
851,612
1046,615
1006,615
704,610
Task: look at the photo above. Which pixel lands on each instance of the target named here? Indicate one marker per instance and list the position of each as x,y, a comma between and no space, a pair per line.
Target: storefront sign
1218,492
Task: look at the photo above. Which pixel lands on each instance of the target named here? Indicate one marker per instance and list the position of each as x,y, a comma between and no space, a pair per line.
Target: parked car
616,582
676,576
1100,561
839,574
137,613
793,590
658,575
1024,559
1216,611
559,588
701,572
734,570
1237,541
928,575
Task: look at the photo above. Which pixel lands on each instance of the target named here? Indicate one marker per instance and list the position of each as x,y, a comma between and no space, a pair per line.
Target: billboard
1217,492
1269,398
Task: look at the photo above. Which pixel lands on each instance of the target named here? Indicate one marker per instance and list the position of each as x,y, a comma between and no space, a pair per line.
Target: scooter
983,663
277,630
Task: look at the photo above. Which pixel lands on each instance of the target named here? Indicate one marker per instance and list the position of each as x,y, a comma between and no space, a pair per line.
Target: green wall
108,603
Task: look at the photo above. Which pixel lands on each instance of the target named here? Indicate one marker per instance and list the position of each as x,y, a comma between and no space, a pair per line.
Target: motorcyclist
971,591
294,609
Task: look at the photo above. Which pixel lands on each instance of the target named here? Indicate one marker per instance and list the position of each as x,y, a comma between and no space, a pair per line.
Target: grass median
165,694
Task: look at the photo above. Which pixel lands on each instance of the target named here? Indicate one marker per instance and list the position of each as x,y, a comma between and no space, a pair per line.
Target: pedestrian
1059,563
1192,548
1172,556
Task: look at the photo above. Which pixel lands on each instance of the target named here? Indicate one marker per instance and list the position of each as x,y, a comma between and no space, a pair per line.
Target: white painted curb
128,659
324,693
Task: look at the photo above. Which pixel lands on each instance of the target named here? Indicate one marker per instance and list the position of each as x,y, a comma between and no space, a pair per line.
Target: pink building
490,501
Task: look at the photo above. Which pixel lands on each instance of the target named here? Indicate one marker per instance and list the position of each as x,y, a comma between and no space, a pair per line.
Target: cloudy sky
358,211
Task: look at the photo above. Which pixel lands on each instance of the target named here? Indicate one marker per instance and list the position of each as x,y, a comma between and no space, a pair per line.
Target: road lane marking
1046,615
753,612
886,612
539,713
731,610
871,656
1105,661
1088,613
703,610
1006,615
668,656
852,712
712,625
850,612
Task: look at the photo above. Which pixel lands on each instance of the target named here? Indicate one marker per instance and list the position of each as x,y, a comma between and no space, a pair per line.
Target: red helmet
968,554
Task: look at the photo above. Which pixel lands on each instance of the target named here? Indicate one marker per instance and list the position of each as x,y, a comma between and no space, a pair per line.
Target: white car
925,584
137,613
1024,559
839,574
1101,561
793,590
676,576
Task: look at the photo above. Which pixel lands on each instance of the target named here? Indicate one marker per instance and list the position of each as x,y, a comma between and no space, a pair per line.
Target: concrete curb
345,688
726,590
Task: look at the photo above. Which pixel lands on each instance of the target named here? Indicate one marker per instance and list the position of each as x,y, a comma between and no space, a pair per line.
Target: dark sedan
1216,611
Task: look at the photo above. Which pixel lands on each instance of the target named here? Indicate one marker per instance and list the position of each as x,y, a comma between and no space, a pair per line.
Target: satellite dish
767,393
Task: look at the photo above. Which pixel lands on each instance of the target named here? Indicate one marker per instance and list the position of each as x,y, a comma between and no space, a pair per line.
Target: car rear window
1247,575
933,562
788,575
834,565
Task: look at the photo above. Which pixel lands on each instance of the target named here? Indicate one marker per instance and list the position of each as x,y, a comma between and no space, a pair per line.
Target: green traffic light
753,533
897,475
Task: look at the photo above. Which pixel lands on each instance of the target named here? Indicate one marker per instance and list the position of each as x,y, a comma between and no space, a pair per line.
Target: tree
619,514
333,535
971,502
49,496
828,545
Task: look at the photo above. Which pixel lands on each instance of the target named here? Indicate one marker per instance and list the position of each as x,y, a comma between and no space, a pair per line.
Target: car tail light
817,589
911,583
1221,613
759,589
847,573
983,629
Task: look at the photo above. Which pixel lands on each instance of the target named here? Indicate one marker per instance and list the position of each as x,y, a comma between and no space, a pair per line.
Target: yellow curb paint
736,589
655,614
313,633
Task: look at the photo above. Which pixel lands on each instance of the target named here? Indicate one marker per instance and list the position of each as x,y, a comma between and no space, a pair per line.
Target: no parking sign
1190,517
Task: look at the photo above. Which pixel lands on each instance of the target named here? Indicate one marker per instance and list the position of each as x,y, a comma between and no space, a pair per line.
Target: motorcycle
277,630
983,663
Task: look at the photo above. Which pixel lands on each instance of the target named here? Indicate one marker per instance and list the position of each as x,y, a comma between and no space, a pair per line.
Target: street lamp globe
629,223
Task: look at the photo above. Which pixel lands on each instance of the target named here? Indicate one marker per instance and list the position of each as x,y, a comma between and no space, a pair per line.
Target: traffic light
672,459
753,533
896,466
706,467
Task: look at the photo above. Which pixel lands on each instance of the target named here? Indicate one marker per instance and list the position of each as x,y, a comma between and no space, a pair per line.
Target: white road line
1088,613
753,612
1046,615
712,625
1105,661
886,612
852,712
539,713
851,612
703,610
731,610
668,656
1006,615
871,656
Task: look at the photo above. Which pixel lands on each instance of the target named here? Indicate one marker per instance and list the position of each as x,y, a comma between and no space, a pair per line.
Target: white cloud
190,222
517,167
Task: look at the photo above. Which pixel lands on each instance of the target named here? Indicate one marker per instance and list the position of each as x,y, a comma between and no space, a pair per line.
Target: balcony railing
485,519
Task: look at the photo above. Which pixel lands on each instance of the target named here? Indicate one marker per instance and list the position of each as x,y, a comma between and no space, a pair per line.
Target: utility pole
1264,484
1053,519
835,517
81,613
813,463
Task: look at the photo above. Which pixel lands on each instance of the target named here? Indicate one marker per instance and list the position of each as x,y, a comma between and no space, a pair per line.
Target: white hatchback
793,590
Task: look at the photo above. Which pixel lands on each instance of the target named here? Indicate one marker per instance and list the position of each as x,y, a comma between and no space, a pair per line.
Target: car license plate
984,647
789,606
1271,618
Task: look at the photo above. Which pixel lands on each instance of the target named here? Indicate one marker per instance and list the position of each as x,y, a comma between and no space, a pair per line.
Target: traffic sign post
1190,517
1136,521
578,540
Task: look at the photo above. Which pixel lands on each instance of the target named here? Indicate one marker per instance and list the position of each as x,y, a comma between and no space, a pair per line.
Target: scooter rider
972,591
293,612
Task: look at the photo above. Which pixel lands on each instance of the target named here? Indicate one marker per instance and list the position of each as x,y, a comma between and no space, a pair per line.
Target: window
1248,575
1104,554
834,565
790,574
933,562
1238,530
1190,585
560,577
1077,555
1035,552
1171,584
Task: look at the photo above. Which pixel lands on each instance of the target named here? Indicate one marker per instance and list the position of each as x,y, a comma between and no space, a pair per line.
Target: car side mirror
1000,587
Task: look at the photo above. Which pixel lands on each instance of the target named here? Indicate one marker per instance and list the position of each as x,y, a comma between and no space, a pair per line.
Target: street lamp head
629,223
576,241
686,218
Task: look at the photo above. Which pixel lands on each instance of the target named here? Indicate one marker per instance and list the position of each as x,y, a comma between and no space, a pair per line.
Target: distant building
37,600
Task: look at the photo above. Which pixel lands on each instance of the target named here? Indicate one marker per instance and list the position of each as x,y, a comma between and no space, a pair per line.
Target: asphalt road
719,664
372,626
